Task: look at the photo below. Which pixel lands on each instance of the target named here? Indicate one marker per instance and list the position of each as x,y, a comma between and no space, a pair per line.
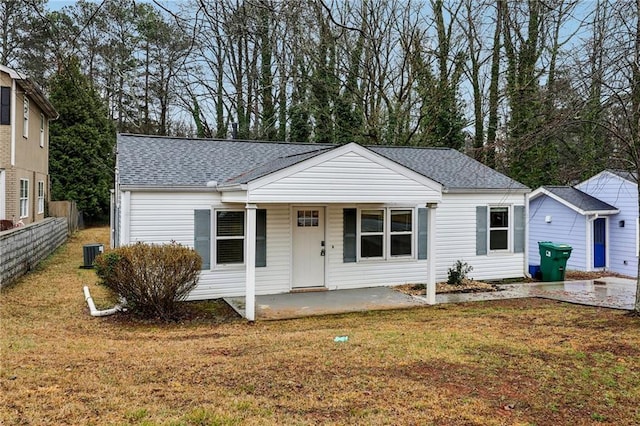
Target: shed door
308,247
599,243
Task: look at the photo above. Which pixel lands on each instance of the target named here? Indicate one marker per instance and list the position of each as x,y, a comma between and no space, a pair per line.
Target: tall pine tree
82,140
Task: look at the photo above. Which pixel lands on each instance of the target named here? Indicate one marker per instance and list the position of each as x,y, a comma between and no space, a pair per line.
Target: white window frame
40,197
365,234
386,233
508,228
24,198
41,130
25,121
216,238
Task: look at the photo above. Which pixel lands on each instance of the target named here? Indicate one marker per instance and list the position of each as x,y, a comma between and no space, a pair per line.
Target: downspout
92,307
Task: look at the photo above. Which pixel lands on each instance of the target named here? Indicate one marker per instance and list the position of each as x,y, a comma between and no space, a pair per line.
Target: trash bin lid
556,246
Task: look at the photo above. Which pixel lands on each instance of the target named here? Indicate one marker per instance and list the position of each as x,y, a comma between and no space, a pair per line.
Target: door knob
322,252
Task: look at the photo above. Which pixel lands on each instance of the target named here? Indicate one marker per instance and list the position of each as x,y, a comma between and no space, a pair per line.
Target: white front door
308,247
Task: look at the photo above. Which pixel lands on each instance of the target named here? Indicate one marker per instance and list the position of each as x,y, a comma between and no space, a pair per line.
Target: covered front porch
350,218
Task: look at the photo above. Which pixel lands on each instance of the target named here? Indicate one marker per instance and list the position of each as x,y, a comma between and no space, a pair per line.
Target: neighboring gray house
598,218
273,218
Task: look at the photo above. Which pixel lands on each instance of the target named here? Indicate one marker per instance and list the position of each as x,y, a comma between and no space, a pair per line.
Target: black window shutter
5,105
261,237
349,235
202,236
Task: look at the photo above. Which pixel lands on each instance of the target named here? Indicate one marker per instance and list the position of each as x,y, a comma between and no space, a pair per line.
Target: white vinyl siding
162,217
24,198
456,236
350,178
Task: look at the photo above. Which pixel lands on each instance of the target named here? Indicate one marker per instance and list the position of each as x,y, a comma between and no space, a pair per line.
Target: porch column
250,263
431,254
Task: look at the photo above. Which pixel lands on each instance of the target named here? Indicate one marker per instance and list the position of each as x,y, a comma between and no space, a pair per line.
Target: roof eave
37,95
232,187
485,190
600,212
165,188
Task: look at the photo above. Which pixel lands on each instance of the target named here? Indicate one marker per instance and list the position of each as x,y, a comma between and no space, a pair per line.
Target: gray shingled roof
449,167
579,199
179,162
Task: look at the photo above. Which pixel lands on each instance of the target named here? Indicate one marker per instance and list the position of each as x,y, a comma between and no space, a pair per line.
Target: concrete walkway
609,292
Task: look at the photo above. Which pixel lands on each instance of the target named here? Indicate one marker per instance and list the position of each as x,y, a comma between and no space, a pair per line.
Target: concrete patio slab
608,292
296,305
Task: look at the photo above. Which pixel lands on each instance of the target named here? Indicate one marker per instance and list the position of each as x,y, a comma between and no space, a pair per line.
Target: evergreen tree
82,140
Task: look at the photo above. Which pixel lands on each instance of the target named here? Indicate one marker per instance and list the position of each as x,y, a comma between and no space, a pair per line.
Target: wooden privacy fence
66,209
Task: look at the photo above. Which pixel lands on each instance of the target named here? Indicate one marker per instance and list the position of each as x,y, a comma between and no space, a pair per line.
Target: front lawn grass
520,362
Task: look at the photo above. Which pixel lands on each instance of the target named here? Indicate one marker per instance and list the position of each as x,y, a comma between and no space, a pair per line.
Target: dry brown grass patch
514,362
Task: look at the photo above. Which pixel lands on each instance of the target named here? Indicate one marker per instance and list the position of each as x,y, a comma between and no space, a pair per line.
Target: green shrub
459,272
152,278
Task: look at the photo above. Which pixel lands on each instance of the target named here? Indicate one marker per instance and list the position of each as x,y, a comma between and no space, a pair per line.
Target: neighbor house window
40,197
229,235
24,198
498,228
25,125
386,233
41,130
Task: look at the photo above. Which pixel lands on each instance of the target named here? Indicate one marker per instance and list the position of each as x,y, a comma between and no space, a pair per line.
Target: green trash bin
553,260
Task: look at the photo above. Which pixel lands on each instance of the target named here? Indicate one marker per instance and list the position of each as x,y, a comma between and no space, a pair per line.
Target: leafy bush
459,272
152,278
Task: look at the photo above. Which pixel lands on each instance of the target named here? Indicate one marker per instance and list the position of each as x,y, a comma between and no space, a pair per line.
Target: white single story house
272,218
598,218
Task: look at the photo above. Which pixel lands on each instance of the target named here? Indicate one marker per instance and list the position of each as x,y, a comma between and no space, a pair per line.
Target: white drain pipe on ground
92,306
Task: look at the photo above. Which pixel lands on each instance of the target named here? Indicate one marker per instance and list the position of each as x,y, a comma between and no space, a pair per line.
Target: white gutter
92,306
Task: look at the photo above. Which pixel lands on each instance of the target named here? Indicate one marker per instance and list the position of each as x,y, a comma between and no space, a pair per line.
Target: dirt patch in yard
467,286
571,275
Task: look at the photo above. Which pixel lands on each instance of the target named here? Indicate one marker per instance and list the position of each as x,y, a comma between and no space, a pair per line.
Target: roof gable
621,175
347,173
575,199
